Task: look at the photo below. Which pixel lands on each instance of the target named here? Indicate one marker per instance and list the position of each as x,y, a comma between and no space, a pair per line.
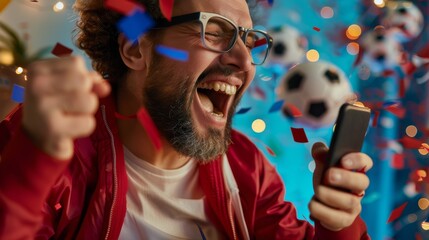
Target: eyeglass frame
203,18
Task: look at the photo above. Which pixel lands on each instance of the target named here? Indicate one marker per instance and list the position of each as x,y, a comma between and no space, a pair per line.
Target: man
205,182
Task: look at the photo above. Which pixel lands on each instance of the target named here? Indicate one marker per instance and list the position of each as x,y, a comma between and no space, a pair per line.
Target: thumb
319,152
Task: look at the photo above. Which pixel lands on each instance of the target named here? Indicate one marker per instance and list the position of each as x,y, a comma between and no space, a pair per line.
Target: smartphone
349,132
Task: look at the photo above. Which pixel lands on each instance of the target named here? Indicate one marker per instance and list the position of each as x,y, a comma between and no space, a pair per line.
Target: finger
331,218
319,151
357,161
76,126
342,178
337,199
101,87
60,75
77,103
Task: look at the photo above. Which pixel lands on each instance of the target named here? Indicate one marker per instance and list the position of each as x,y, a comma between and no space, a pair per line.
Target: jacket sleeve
26,177
278,217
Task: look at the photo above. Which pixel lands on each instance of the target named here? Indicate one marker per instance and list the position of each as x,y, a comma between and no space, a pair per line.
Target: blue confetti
243,110
389,103
135,25
172,53
18,93
276,106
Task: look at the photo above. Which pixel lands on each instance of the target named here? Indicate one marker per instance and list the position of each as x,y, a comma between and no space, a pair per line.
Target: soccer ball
405,19
381,51
317,89
289,46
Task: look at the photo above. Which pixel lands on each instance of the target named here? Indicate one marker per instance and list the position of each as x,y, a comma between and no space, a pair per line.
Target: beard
168,97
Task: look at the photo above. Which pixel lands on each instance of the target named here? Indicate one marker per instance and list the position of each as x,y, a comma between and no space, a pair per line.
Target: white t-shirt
164,204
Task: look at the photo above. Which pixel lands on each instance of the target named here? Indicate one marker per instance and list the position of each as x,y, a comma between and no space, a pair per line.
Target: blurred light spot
353,32
379,3
327,12
312,55
412,218
59,6
6,57
25,77
364,72
311,166
421,174
359,104
411,131
423,151
258,126
425,226
19,70
353,48
423,203
386,122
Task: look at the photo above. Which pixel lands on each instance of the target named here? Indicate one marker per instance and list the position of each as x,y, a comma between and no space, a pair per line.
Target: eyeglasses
220,34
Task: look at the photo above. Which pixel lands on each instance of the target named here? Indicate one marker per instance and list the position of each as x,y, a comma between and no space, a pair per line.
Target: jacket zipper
231,216
115,177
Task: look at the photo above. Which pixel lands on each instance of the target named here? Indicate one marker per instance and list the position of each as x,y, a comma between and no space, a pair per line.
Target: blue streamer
243,110
18,93
172,53
276,106
135,25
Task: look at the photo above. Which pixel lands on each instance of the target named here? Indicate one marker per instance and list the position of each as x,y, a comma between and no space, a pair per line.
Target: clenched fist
61,98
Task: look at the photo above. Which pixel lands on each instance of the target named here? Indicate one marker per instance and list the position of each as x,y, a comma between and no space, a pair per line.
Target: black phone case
350,129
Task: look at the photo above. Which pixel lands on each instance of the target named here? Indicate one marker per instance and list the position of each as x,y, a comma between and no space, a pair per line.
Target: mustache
219,70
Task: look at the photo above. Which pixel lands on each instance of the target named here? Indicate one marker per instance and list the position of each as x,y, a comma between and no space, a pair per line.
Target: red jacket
85,198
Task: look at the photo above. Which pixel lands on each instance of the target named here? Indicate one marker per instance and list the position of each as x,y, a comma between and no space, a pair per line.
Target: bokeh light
353,48
425,226
379,3
258,126
19,70
424,149
327,12
312,55
59,6
411,131
353,32
423,203
6,57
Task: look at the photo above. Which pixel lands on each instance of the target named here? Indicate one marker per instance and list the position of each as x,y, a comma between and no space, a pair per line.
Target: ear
132,54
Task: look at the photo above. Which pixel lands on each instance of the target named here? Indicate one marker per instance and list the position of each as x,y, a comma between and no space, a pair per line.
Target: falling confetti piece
409,142
396,213
316,29
148,124
293,110
299,135
375,118
396,110
276,106
258,93
397,161
135,25
18,93
172,53
243,110
124,7
166,7
3,4
60,50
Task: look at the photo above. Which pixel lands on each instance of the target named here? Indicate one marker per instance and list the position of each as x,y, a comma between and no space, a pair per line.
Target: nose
239,57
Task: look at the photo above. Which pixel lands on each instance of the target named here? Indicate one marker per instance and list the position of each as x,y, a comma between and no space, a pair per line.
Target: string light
258,126
59,6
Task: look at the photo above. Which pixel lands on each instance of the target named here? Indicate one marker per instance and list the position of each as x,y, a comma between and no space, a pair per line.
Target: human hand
338,191
61,98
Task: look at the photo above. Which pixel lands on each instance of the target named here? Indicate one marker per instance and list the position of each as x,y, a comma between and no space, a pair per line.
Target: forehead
236,10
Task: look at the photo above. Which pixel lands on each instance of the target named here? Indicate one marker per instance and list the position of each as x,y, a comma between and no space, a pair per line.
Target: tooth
228,89
216,87
233,90
222,87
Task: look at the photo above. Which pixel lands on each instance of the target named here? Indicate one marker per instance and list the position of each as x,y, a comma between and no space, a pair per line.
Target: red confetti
375,119
166,7
148,124
61,50
57,206
293,110
125,7
316,29
299,135
396,110
260,42
396,213
270,151
409,142
397,161
401,88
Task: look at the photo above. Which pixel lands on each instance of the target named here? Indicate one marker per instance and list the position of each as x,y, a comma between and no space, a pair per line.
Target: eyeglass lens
220,35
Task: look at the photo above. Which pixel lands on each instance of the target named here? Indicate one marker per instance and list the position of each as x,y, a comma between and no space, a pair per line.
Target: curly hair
97,34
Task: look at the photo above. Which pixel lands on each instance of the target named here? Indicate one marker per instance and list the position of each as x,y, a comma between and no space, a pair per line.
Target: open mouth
215,97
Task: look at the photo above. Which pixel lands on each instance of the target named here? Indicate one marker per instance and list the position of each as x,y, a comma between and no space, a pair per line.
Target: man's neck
134,137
